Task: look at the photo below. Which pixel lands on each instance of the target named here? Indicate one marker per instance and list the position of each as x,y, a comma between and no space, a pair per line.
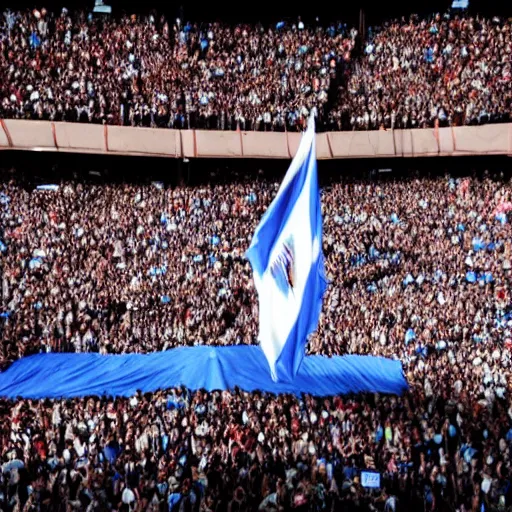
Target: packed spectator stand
449,71
419,269
134,71
146,73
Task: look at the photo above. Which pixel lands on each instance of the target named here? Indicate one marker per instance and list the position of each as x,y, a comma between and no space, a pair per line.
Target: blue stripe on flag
288,363
267,233
293,353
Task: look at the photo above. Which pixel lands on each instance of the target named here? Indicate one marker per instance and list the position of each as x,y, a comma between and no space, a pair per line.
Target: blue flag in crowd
288,264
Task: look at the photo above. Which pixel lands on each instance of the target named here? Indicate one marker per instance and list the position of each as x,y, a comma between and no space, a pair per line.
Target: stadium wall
118,140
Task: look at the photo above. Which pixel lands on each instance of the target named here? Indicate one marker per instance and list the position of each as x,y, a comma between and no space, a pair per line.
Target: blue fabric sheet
201,367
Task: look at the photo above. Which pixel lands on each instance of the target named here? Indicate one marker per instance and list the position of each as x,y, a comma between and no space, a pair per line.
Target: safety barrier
119,140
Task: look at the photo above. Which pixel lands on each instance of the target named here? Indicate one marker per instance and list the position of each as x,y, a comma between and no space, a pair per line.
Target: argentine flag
287,261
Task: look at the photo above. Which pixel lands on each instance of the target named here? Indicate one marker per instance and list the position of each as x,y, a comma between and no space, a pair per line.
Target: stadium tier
154,73
419,270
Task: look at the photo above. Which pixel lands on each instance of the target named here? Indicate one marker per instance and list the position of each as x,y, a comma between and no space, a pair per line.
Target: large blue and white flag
288,264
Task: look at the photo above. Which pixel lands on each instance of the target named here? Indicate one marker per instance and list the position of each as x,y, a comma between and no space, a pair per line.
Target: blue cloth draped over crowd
290,293
201,367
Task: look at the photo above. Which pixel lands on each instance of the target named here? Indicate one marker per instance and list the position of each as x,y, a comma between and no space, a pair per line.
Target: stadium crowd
418,73
419,269
134,71
147,73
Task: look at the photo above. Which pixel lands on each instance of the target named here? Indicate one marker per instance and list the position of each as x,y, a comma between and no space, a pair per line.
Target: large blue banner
201,367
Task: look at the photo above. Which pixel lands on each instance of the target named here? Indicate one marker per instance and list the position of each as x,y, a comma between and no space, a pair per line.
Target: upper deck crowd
134,71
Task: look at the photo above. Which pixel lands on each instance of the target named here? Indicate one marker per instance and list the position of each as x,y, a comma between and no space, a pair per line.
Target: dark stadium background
268,11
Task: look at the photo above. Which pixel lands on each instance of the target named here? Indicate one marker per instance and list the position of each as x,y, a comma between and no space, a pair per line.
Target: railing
118,140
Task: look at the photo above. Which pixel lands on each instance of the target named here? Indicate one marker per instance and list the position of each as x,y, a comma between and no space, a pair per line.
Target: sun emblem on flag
283,267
